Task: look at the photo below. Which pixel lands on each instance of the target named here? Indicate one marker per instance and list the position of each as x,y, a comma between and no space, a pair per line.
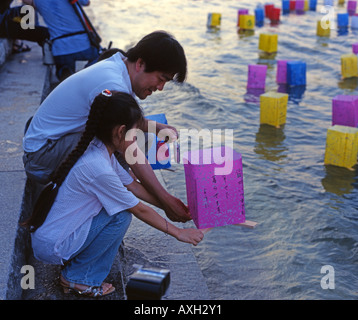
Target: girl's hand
192,236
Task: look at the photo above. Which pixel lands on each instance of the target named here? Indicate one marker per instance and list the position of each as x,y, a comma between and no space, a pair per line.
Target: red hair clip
107,93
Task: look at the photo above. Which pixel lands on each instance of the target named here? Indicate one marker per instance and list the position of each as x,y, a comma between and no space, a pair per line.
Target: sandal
20,47
90,291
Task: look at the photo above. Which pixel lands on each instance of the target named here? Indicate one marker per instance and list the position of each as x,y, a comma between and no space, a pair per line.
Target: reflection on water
339,180
295,93
342,31
245,33
348,84
269,143
267,56
253,94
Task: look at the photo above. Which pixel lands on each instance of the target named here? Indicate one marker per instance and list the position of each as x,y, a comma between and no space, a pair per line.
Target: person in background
70,42
82,215
10,27
60,120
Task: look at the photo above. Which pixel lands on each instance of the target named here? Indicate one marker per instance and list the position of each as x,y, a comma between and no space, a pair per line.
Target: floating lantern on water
342,20
247,22
355,48
313,5
328,3
351,7
285,6
273,108
296,73
214,187
214,20
275,15
341,146
349,66
281,72
268,9
323,28
256,76
306,6
345,110
292,5
239,13
259,16
268,42
354,22
300,6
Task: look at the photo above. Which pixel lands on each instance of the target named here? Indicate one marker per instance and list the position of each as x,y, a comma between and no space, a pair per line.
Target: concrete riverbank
24,82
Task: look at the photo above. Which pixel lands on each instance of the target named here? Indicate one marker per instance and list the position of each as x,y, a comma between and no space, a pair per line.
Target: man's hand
28,2
166,132
175,209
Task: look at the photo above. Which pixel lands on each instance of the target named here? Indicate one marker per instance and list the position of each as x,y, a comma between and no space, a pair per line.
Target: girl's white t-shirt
96,181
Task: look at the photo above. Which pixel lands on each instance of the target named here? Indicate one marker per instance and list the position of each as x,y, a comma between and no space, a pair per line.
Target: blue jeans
93,262
67,63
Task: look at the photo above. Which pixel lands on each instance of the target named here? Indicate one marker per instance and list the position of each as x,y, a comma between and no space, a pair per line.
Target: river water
306,212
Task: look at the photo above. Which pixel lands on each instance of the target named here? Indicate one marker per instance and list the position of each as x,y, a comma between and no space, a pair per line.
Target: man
57,125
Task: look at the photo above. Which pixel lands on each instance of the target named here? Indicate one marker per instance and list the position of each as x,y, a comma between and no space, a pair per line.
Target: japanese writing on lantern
205,199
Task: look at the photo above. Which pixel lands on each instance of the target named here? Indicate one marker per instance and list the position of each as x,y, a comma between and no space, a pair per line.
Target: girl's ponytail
49,193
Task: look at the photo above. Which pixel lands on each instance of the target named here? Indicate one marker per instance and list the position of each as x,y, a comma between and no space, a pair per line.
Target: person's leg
11,28
91,55
92,263
41,164
66,64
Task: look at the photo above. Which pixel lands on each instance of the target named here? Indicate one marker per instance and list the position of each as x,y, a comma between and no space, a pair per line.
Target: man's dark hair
161,52
109,53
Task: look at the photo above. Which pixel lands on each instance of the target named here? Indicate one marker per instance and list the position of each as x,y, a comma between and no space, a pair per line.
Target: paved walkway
21,85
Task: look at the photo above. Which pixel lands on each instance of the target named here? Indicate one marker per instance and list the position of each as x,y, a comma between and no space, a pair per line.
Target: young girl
83,214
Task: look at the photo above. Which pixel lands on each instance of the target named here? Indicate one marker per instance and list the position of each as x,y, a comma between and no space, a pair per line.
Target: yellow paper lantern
214,20
273,108
268,42
341,146
247,22
349,66
323,28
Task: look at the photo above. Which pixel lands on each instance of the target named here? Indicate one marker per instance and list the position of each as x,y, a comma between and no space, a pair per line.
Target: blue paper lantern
285,6
296,73
259,17
342,20
153,150
313,5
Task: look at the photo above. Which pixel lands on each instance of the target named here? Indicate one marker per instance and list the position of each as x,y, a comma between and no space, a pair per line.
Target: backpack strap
68,35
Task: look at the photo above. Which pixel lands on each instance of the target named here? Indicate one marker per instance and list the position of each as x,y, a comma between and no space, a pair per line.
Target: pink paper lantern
281,72
345,110
351,7
300,5
239,13
214,186
256,76
355,48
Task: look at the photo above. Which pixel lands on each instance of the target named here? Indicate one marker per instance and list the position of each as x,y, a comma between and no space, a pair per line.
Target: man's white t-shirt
96,181
67,107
